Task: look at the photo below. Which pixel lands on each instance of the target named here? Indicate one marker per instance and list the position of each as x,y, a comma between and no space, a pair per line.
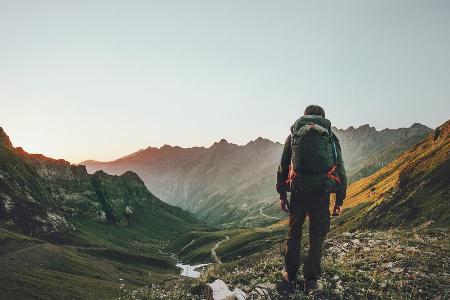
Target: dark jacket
283,171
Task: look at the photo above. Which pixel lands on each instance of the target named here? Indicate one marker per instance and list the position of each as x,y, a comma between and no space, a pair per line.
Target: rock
397,270
339,288
356,241
262,293
218,290
426,224
246,288
366,249
129,210
267,286
348,234
240,294
387,265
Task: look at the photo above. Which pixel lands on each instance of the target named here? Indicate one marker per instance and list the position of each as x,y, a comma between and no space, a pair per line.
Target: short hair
314,110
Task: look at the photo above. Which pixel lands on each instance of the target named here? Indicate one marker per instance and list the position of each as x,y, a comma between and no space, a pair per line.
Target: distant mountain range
226,184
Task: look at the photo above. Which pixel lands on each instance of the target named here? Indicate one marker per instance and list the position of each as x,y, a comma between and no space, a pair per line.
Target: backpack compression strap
292,174
332,174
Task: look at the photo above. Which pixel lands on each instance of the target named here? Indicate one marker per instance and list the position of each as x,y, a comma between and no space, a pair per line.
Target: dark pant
316,207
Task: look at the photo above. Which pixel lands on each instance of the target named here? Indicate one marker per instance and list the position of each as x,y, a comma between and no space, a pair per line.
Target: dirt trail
190,243
267,216
214,255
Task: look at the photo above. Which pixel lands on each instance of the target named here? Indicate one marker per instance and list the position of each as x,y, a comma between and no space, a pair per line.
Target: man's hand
284,205
337,210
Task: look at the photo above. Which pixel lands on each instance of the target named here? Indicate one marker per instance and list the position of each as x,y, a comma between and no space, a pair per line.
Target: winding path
214,255
190,243
264,215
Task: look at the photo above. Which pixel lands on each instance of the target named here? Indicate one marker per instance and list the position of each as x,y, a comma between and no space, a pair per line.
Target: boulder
218,290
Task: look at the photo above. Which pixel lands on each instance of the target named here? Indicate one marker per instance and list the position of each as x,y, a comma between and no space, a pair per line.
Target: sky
101,79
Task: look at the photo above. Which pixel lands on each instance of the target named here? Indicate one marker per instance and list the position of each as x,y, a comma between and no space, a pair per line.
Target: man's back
311,168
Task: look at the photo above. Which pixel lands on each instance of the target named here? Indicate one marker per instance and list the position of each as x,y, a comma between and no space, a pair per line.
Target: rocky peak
130,175
4,139
223,143
166,147
366,128
442,131
260,142
419,126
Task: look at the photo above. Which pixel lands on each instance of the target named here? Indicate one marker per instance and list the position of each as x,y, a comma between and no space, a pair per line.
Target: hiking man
311,168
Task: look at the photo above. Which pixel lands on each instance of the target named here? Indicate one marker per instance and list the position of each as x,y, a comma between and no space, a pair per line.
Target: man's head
314,110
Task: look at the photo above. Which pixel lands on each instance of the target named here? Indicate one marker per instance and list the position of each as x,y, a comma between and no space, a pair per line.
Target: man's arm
283,169
341,190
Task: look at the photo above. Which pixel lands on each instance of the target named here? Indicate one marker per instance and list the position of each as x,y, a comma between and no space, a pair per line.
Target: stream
190,270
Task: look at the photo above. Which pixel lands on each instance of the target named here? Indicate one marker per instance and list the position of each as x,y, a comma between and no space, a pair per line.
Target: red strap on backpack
332,175
291,176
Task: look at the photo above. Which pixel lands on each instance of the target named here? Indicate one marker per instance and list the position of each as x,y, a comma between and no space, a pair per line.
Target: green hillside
67,234
411,190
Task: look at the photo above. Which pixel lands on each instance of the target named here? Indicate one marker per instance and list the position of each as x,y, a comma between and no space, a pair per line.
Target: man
311,168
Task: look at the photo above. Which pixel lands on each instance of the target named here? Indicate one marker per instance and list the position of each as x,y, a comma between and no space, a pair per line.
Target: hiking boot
312,286
287,285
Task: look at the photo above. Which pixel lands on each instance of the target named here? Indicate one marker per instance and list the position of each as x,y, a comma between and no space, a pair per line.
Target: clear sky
101,79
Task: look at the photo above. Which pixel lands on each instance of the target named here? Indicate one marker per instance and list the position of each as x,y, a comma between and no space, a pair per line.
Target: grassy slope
87,258
33,268
377,160
410,190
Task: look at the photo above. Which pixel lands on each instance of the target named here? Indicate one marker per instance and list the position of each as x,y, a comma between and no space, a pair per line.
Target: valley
66,233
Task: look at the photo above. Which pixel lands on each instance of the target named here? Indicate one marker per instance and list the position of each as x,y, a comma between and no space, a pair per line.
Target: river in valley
190,270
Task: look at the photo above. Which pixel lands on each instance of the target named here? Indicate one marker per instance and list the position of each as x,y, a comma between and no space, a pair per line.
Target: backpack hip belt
331,174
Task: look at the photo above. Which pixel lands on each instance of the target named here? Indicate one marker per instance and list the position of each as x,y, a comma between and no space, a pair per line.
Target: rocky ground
392,264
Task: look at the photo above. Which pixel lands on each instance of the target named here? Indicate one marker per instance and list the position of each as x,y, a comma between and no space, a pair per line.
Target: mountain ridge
40,195
226,184
259,139
411,189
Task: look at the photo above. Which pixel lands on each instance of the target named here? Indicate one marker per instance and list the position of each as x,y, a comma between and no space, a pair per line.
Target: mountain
219,185
227,184
67,234
366,150
40,195
412,190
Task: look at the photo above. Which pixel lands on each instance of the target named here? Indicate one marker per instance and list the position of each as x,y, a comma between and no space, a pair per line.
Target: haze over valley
227,184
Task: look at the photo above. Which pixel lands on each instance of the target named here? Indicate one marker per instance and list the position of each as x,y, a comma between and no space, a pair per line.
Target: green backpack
313,162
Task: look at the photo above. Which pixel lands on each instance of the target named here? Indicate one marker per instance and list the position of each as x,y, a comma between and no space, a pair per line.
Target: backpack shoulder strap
333,146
